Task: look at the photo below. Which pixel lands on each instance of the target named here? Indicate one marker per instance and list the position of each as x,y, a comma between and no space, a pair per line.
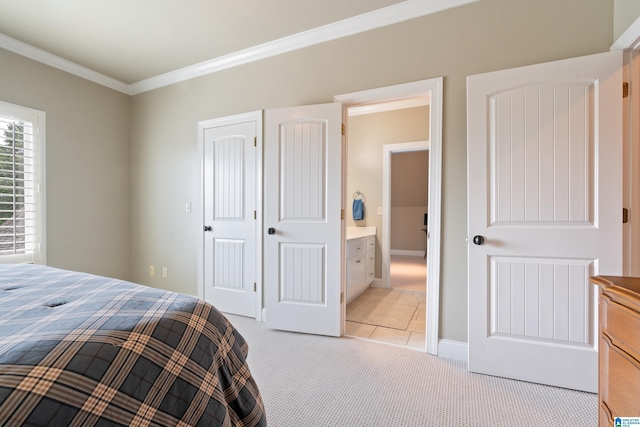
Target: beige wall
87,164
625,14
115,208
366,136
409,200
476,38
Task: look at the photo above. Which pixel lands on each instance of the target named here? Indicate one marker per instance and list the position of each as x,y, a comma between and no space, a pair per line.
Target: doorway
393,311
392,98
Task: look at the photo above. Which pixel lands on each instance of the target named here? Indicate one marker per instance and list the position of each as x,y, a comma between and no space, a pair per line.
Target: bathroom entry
379,311
358,166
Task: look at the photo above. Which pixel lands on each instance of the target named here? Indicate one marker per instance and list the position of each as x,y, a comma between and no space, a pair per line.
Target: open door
302,219
544,214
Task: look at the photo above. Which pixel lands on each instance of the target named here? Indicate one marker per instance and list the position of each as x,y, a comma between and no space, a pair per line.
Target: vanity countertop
357,232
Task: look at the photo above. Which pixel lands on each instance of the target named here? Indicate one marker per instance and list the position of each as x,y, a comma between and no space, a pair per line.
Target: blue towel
358,210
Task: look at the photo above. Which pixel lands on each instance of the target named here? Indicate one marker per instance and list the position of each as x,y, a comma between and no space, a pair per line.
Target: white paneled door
302,218
229,196
545,211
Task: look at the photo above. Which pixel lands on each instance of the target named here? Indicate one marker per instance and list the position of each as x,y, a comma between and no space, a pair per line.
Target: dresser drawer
604,419
622,325
622,386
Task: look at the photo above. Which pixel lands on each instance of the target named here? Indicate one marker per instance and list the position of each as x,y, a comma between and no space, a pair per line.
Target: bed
81,350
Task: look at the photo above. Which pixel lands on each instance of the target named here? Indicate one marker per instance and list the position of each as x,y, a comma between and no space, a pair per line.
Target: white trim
434,89
28,51
386,94
455,350
403,252
377,283
631,166
389,106
387,151
38,119
203,125
630,39
403,11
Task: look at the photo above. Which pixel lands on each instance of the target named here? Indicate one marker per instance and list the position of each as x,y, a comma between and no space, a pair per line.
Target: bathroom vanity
361,260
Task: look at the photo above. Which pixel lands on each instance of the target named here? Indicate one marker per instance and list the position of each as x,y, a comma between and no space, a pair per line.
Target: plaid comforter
82,350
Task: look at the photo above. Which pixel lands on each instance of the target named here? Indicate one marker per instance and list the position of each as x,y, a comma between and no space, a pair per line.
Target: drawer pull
358,261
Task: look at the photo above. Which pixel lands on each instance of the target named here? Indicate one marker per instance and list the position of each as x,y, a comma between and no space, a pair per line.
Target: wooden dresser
619,348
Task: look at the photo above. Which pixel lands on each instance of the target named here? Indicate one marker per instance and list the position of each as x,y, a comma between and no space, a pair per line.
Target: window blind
18,221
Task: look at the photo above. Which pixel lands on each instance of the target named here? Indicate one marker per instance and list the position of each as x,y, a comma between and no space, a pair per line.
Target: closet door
229,266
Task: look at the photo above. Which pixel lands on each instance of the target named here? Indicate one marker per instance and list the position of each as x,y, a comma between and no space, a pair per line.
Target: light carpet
308,381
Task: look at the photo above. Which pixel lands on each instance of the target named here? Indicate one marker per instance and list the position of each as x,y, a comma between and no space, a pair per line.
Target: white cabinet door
370,260
302,218
355,277
545,194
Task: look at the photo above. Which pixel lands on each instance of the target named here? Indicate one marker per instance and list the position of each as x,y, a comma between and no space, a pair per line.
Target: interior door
545,202
302,218
230,263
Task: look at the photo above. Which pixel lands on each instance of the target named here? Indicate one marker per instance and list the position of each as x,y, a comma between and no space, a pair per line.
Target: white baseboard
377,283
455,350
406,253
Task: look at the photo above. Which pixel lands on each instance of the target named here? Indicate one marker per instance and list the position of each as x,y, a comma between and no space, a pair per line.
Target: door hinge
342,129
625,89
255,214
255,287
255,141
341,213
341,297
625,215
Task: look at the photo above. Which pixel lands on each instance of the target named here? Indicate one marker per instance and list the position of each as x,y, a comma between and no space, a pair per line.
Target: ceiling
131,41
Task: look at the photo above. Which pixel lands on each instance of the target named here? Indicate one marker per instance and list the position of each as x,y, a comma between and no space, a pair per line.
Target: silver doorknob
478,240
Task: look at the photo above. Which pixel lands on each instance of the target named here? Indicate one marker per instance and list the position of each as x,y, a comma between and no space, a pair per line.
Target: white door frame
203,125
433,89
629,42
387,151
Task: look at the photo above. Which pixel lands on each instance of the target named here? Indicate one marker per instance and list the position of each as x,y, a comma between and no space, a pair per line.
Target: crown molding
393,14
630,39
400,12
31,52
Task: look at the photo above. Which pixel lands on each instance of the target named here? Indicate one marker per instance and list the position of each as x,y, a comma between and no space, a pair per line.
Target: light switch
379,210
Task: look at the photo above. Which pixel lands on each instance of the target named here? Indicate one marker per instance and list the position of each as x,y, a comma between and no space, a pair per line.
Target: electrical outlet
164,271
152,270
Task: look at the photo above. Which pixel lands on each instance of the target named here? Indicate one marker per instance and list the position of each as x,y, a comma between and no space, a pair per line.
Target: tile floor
395,315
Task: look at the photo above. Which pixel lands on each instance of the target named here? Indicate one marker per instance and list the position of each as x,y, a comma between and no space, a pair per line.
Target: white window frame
38,120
